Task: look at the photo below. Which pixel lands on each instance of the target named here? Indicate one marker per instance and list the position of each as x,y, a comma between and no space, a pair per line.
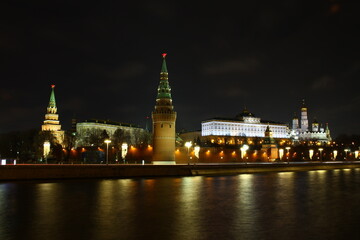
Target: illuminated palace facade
244,125
247,126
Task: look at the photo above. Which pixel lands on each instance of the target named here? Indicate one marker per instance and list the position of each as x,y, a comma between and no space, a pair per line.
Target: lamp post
281,153
335,154
320,150
197,151
124,148
311,152
188,145
243,150
46,150
107,141
346,151
288,154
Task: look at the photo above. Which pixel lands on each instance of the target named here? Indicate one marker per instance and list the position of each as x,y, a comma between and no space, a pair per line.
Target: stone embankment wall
32,172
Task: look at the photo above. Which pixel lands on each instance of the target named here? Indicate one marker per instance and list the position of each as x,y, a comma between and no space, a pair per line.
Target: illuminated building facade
243,125
305,133
85,129
51,122
163,119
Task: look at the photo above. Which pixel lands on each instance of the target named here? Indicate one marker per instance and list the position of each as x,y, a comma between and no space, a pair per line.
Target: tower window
170,125
162,125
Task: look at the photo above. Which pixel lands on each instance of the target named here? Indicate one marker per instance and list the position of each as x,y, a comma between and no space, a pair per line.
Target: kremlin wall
245,138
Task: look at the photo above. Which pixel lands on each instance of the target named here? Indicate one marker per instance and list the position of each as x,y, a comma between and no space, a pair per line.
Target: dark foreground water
303,205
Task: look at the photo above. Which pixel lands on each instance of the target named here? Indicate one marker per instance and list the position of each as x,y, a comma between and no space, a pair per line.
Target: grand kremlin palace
244,125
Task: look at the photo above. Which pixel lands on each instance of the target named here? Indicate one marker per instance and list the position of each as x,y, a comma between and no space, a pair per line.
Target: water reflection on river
300,205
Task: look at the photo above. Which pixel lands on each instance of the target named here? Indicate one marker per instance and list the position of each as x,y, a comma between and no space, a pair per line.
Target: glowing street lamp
243,150
46,150
107,141
124,149
188,145
197,151
335,152
311,153
346,151
281,153
320,150
356,154
288,153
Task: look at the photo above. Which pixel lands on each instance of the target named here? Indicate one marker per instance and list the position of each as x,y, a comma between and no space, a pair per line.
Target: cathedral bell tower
163,118
304,118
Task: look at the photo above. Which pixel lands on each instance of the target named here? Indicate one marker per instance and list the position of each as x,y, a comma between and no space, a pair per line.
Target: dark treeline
28,146
19,144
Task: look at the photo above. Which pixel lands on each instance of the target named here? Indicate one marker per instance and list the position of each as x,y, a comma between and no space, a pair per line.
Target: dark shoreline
81,171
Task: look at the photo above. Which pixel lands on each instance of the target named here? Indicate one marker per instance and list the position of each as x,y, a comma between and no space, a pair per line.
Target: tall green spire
164,90
52,102
163,67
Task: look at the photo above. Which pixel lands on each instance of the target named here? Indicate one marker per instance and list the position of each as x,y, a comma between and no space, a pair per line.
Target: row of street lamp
188,145
245,147
124,149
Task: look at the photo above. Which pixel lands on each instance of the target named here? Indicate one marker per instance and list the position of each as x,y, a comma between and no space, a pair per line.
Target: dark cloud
128,71
105,59
323,82
231,66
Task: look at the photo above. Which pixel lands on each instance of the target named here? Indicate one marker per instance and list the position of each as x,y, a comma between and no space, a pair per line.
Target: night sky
105,58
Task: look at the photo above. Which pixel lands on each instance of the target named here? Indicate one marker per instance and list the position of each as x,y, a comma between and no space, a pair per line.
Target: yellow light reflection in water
246,206
47,209
285,191
113,206
189,211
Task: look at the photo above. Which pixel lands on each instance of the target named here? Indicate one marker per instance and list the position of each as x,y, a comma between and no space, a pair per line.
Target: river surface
289,205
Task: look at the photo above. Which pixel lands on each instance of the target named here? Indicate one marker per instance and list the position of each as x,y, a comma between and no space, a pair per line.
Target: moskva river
300,205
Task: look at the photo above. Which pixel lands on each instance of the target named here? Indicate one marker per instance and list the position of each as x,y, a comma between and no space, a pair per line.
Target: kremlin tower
164,118
269,145
52,122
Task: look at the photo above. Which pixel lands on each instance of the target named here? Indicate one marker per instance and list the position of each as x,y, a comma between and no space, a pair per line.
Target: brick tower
163,118
52,122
